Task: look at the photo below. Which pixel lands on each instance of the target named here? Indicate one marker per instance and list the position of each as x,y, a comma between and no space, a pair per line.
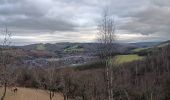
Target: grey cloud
161,3
9,1
42,24
125,7
20,8
30,15
151,20
49,16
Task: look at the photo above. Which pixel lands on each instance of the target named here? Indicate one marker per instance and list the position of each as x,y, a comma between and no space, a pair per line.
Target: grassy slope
40,47
120,59
29,94
74,48
139,49
147,49
163,45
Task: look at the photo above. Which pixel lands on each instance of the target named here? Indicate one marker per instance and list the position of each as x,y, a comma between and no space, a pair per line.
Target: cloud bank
34,21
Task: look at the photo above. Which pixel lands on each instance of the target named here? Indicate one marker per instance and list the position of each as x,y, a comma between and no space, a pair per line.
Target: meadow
121,59
29,94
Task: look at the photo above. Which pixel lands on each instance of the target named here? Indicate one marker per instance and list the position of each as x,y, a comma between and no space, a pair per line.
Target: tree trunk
151,96
51,95
5,86
65,97
109,78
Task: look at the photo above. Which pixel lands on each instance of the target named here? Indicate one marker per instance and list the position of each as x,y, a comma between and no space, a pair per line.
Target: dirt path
29,94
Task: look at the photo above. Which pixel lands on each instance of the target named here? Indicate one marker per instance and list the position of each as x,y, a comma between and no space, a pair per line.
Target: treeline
140,80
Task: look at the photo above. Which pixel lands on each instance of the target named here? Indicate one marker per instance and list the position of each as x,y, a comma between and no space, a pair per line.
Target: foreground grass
121,59
29,94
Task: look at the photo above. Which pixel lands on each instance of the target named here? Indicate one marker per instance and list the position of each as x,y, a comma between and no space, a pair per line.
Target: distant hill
63,48
162,44
149,49
66,47
145,44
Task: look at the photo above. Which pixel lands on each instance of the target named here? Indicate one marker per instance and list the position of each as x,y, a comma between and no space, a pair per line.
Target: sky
51,21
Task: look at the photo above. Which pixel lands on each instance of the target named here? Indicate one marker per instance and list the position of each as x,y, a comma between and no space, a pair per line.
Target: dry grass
29,94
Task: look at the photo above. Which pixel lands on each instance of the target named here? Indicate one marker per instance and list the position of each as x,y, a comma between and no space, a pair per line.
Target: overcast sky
51,21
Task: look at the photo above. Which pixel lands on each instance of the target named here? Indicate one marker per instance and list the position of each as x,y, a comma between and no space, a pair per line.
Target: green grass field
139,49
40,47
121,59
75,48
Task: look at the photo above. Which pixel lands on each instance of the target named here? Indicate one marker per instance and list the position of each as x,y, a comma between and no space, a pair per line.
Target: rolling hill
146,50
79,47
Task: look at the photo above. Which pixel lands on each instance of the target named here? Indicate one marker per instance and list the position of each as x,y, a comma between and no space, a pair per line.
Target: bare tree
4,60
106,37
50,83
64,84
48,79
